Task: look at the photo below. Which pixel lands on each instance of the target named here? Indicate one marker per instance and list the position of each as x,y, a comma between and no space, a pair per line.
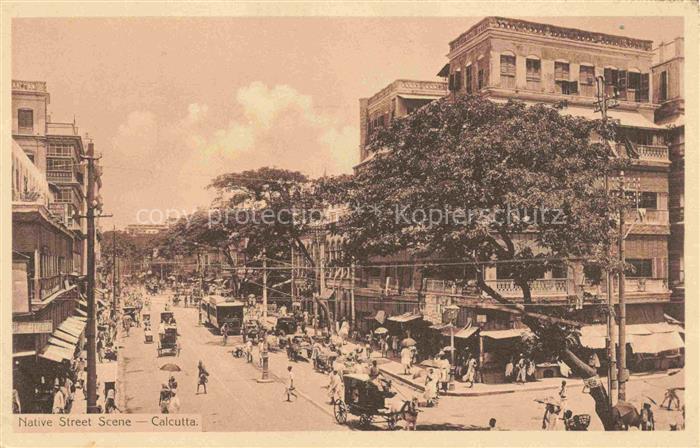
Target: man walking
224,332
290,384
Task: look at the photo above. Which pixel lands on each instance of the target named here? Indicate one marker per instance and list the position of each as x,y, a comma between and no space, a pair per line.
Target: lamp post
451,312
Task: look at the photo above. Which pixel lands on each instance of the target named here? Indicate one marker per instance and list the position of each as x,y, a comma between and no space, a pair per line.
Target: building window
533,69
561,71
640,267
561,79
58,165
587,80
648,200
663,86
508,71
458,80
468,78
480,79
25,120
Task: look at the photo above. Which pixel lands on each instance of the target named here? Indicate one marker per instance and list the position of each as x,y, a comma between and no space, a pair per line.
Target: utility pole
601,105
293,276
90,329
264,294
622,373
352,294
114,268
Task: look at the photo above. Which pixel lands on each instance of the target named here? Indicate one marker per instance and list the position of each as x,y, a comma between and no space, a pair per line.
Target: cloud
281,127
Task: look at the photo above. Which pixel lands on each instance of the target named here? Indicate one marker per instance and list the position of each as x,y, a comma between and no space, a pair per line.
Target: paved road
235,401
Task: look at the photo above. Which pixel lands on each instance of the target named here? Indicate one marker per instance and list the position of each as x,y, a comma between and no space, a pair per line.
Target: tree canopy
479,181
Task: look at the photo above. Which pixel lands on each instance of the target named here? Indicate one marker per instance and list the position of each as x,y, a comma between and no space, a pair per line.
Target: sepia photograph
271,224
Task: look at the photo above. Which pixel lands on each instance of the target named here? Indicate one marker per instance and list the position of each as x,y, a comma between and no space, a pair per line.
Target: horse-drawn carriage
364,398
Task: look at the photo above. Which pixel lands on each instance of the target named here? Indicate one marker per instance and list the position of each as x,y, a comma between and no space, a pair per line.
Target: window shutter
458,81
573,88
644,87
451,82
622,79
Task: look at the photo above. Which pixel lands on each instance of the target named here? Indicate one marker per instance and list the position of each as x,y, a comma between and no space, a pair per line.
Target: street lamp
451,312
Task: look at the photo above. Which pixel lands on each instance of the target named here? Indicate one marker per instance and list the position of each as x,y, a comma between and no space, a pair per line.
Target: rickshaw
167,342
364,399
325,360
251,330
147,330
168,318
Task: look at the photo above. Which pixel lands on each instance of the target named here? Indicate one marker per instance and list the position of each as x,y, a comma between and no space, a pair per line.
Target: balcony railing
633,285
60,176
49,285
547,287
649,217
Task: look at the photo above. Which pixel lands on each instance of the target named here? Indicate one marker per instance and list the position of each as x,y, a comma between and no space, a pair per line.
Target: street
234,402
237,402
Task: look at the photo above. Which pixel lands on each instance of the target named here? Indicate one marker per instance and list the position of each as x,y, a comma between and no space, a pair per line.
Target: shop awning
65,336
61,343
82,302
406,317
466,333
656,343
24,353
72,326
81,312
57,353
593,336
505,334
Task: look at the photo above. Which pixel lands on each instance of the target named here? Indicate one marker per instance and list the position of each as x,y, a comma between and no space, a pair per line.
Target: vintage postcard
333,224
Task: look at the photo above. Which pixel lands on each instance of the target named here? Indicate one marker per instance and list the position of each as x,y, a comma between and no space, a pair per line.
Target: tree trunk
596,390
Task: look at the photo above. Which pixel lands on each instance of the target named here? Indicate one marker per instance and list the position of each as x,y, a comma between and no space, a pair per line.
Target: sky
172,102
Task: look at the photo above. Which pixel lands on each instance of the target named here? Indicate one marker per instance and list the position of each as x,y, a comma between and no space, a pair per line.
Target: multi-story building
504,59
48,244
396,100
667,78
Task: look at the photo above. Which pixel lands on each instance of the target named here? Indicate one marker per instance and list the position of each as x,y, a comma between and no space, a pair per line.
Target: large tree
481,182
273,210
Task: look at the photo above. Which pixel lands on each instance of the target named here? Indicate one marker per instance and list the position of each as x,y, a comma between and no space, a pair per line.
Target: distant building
145,229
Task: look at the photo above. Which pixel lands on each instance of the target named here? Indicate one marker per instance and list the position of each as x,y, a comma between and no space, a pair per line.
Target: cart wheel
340,411
365,420
391,422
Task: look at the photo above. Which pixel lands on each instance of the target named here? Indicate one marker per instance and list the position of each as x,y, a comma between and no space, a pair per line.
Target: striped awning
57,353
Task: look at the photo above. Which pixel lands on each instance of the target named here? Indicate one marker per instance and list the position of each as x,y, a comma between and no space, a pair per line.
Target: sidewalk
395,370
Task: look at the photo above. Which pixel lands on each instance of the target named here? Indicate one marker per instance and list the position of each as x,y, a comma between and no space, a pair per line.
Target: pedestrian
509,370
224,333
431,388
551,415
335,384
406,360
521,370
385,347
110,403
164,398
290,389
562,395
492,425
471,371
368,351
646,416
59,401
173,403
100,349
249,350
203,376
670,396
530,370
